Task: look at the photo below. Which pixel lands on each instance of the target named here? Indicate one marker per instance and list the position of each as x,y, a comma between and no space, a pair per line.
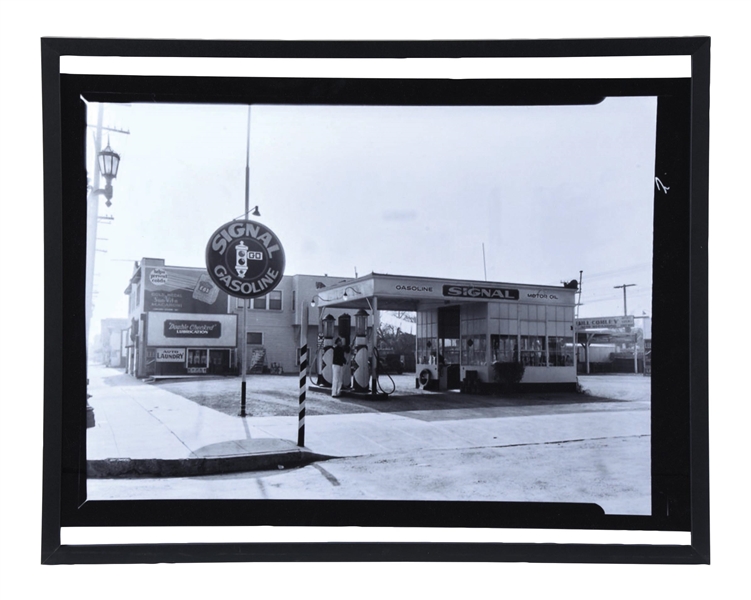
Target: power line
620,271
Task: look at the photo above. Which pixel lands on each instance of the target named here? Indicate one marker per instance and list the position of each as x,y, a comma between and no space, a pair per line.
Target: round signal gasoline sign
245,259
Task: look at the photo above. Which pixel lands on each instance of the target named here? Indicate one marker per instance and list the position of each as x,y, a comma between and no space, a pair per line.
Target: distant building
621,344
113,341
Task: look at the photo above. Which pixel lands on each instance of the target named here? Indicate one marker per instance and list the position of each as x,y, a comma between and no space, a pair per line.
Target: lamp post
107,165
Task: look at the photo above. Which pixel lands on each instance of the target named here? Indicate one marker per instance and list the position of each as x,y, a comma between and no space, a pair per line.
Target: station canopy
406,293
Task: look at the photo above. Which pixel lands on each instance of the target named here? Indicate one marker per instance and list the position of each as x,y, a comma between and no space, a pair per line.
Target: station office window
255,338
535,335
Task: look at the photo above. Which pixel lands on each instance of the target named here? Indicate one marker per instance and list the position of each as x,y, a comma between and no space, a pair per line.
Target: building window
533,352
275,300
198,358
271,301
255,338
505,348
559,355
474,348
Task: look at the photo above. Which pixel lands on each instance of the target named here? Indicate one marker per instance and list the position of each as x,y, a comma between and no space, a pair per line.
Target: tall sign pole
244,368
245,259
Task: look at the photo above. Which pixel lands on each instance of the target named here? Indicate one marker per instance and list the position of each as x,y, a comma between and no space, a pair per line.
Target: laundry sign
170,355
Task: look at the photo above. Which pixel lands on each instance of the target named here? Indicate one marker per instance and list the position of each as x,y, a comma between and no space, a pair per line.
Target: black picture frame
680,467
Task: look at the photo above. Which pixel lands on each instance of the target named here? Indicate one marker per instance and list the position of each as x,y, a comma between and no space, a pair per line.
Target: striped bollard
303,390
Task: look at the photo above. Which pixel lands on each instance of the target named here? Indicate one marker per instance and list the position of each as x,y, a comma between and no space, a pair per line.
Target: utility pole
625,314
107,168
624,286
92,213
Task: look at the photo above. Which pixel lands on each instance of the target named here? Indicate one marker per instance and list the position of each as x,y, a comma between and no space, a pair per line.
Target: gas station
464,330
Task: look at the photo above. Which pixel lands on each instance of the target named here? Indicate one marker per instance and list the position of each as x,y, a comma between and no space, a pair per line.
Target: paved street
416,445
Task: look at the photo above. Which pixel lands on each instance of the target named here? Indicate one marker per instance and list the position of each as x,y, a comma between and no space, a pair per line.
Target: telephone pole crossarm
624,286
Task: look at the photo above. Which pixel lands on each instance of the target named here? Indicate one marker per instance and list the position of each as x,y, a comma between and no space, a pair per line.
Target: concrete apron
145,431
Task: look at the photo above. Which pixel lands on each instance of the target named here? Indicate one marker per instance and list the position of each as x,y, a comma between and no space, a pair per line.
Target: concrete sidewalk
142,429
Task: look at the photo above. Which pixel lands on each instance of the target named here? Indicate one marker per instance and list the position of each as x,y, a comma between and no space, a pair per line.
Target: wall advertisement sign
192,329
605,322
245,259
176,355
175,289
179,330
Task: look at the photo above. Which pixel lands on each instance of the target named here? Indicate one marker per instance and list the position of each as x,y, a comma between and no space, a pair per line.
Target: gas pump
360,363
345,332
326,359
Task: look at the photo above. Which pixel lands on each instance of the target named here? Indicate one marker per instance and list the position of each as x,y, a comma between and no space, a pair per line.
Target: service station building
465,328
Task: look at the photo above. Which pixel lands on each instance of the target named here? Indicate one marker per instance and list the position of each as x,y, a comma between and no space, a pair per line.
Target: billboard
605,322
182,290
185,330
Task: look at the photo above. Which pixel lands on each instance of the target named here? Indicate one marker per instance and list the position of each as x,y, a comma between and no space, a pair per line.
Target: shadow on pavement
430,405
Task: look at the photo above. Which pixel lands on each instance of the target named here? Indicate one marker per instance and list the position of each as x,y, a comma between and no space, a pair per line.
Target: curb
110,468
349,393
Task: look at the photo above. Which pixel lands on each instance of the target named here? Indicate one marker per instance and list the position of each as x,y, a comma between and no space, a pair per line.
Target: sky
511,194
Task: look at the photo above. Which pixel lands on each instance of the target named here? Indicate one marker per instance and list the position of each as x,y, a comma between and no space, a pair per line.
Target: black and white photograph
471,287
350,295
372,299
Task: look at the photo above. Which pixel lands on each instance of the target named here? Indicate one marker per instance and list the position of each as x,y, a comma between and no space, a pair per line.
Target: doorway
449,350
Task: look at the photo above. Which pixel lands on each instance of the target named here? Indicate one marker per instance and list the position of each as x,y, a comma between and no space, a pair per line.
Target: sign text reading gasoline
236,230
237,285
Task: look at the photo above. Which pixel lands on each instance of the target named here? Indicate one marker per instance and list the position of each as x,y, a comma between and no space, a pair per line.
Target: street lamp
109,162
345,296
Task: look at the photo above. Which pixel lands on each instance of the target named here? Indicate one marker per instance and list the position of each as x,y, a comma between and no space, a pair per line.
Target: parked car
394,364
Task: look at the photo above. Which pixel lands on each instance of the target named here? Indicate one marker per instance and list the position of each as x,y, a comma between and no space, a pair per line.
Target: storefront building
182,324
179,322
